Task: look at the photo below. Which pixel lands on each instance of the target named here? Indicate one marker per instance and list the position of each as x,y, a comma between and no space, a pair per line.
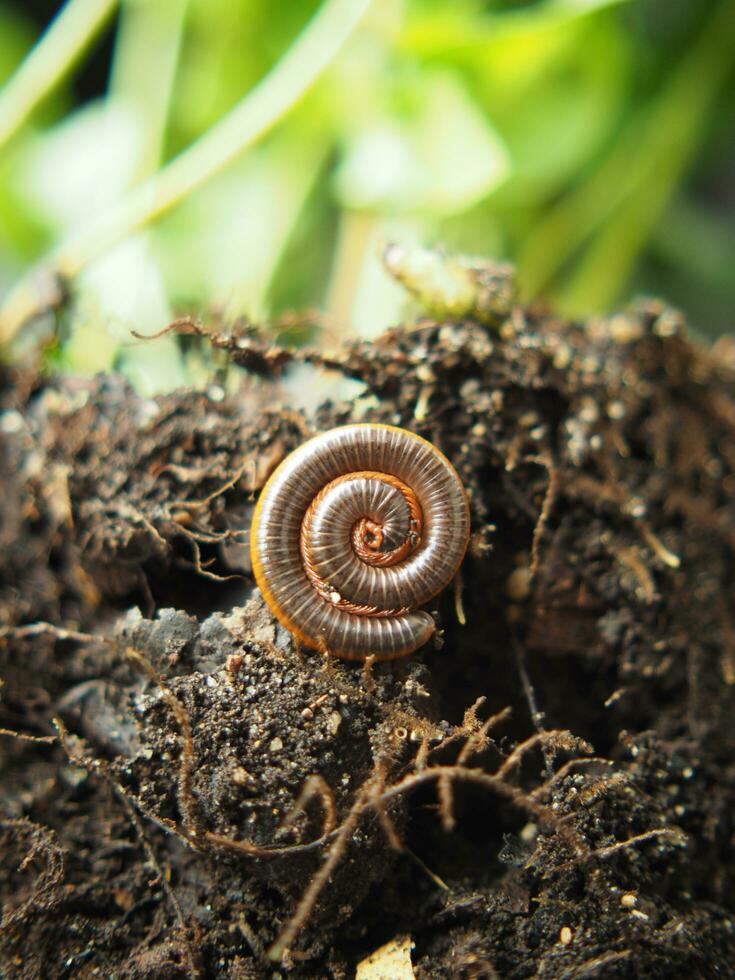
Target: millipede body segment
353,532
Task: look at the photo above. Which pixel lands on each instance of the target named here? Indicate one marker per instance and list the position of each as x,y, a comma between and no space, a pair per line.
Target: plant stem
255,114
65,40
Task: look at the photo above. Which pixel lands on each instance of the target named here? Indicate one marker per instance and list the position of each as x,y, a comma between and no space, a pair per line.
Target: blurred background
251,157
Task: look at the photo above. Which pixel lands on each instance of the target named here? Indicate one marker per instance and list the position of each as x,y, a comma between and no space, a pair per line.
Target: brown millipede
353,532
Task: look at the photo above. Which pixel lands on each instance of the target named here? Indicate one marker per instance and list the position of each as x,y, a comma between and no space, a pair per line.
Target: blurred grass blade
626,194
449,29
675,134
147,50
256,113
65,40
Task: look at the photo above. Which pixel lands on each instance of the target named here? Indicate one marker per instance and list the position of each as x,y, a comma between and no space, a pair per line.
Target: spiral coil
352,533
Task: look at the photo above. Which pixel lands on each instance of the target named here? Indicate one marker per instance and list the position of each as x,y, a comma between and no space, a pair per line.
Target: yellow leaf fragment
390,962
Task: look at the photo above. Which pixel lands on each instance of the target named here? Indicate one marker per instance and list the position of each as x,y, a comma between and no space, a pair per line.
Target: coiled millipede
353,532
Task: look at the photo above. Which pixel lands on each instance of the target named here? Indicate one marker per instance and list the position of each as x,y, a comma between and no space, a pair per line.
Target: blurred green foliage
588,141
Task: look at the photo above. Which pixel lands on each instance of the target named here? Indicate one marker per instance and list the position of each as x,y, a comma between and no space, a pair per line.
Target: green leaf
440,158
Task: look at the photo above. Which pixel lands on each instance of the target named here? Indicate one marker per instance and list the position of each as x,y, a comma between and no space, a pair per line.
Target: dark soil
183,793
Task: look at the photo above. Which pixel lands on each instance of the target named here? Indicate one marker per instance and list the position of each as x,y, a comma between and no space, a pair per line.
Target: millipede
353,532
